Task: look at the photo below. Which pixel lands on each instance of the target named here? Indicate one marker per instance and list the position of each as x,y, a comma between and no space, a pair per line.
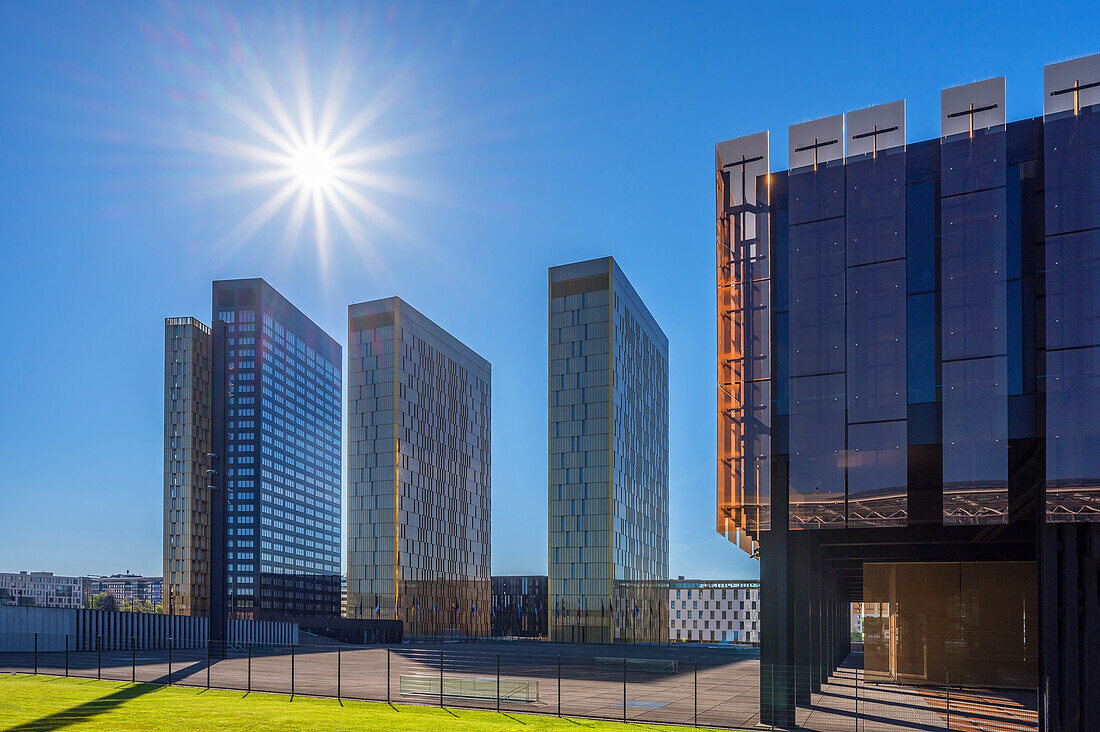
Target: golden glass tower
608,459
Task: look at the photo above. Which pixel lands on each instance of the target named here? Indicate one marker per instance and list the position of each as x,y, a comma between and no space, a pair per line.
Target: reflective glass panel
877,475
817,297
1072,148
817,428
876,342
973,258
975,441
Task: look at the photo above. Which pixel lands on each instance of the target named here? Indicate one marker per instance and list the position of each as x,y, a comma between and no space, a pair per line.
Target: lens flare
246,111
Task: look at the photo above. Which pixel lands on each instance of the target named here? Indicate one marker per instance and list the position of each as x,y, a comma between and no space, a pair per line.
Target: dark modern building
519,606
909,384
253,459
608,459
419,449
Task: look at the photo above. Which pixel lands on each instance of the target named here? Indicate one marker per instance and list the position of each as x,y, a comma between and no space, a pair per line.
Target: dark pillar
218,625
776,624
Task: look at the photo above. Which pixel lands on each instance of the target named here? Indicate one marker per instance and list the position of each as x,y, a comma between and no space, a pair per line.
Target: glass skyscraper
908,384
274,449
608,459
419,459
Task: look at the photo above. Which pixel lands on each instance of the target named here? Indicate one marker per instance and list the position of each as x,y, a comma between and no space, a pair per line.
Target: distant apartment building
418,473
714,611
40,589
252,494
127,588
519,606
608,459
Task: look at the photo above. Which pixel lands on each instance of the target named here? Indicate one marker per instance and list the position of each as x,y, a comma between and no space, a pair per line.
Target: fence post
695,694
66,655
169,660
36,654
337,671
624,687
857,701
498,681
559,684
441,676
387,674
250,667
947,688
292,671
133,660
98,657
208,664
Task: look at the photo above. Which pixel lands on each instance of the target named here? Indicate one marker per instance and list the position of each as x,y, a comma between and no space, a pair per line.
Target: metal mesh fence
680,685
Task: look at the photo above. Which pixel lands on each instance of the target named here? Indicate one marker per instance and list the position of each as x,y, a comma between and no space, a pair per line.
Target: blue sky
503,138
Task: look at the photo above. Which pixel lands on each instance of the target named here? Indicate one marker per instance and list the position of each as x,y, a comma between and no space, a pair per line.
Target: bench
469,687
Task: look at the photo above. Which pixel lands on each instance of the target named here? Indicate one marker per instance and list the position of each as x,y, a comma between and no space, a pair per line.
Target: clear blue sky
503,138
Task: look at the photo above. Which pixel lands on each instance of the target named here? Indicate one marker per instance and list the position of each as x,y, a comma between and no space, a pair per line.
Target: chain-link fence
681,685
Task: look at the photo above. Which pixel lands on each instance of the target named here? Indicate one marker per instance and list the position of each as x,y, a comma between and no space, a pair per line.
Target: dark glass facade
283,455
419,452
934,342
519,606
274,450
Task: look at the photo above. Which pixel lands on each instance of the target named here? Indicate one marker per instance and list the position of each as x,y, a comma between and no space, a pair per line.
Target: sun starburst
308,161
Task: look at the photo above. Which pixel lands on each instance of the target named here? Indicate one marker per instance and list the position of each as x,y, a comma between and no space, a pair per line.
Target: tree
105,601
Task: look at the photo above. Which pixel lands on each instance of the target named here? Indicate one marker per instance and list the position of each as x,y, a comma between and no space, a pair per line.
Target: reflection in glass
973,259
817,347
817,452
877,475
975,441
1072,143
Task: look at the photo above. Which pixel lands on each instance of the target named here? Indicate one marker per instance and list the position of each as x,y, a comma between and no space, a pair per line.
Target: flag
473,608
635,607
376,604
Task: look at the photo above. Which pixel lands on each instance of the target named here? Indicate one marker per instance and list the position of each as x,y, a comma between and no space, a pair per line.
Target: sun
314,168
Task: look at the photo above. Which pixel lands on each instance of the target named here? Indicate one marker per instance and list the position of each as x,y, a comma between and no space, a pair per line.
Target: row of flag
560,607
455,606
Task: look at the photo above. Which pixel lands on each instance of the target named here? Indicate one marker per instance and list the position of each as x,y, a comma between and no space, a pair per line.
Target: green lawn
51,703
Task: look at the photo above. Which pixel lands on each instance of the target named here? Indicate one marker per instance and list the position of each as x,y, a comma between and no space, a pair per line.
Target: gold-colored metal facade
607,459
743,307
419,467
187,425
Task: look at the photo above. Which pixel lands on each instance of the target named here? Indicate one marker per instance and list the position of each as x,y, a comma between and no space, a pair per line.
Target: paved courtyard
709,686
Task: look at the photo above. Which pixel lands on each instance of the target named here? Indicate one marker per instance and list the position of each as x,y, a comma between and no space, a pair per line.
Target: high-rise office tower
909,378
267,381
608,459
187,440
418,480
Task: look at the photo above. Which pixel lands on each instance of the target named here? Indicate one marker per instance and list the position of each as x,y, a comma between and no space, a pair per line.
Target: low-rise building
519,605
714,611
40,589
127,588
